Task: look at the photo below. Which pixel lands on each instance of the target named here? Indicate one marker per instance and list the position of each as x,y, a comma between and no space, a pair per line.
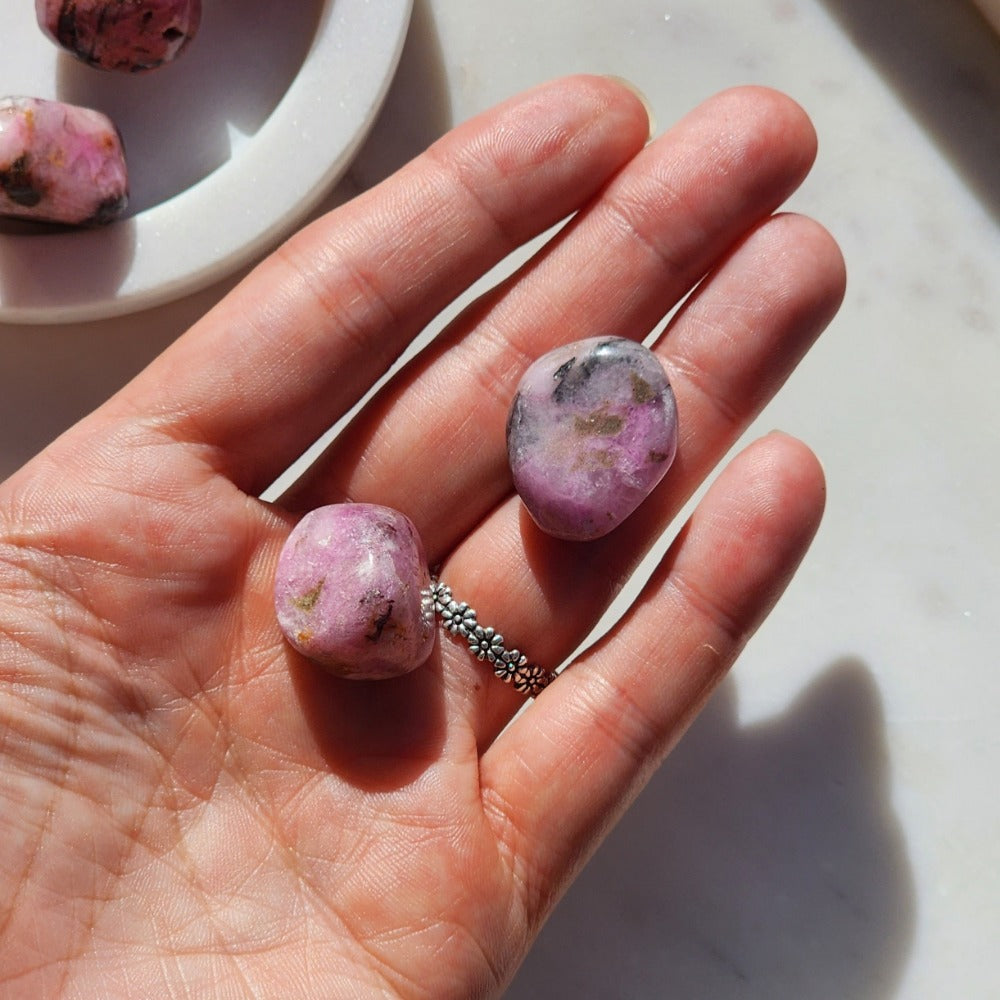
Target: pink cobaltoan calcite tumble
60,163
592,431
131,36
352,591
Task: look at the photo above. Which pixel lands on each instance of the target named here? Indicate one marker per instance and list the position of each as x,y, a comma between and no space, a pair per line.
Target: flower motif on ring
486,643
530,679
459,619
440,595
508,664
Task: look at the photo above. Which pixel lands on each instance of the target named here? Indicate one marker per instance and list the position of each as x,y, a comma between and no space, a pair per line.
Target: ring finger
727,351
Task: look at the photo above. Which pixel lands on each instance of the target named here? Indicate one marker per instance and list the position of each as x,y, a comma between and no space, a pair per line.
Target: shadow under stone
183,120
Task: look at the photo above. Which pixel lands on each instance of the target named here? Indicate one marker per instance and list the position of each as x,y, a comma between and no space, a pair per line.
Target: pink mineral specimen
352,591
126,35
60,163
592,430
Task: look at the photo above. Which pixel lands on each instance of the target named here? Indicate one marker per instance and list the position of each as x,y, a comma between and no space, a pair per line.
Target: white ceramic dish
228,148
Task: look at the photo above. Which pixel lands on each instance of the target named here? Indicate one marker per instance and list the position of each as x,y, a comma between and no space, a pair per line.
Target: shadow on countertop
943,60
417,109
761,862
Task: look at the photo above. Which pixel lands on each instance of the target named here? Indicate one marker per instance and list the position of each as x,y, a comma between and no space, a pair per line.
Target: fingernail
629,85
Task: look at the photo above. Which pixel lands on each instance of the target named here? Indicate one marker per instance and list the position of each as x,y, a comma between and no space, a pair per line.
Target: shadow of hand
763,861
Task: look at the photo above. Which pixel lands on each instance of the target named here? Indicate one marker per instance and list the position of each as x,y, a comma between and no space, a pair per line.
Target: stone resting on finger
592,430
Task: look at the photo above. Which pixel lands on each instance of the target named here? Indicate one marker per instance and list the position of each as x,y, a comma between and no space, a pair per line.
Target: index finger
308,332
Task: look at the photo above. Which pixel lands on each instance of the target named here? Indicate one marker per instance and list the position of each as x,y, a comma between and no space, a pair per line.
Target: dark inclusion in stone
18,184
351,591
122,35
592,430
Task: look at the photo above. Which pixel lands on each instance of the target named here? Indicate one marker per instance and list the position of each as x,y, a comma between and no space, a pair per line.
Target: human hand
187,808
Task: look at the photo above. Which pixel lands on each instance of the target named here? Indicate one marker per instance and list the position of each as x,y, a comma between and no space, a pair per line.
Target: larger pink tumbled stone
127,35
352,591
592,430
60,163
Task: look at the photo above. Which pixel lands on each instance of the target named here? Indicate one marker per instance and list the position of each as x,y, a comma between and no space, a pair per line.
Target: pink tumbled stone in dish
592,431
60,163
126,35
352,591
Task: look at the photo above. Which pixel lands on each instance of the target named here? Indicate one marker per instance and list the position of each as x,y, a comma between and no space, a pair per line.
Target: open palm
187,808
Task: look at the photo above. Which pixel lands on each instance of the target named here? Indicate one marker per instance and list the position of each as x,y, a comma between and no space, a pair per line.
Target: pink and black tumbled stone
60,163
592,431
352,591
130,36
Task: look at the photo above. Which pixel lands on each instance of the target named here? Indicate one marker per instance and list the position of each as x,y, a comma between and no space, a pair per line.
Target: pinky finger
563,772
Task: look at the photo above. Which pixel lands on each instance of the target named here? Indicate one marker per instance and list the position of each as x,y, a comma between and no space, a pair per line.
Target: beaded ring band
486,644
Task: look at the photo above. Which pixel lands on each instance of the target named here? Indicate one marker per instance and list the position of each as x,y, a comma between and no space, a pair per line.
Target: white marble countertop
830,828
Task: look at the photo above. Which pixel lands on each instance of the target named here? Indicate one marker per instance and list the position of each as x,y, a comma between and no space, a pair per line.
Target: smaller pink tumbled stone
131,36
592,431
352,591
60,163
